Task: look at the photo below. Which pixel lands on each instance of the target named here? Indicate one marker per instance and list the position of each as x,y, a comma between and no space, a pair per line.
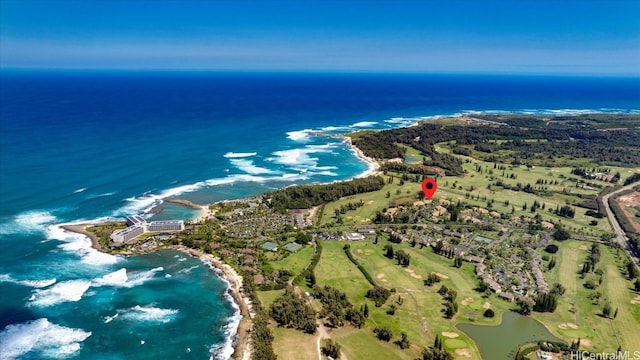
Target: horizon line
315,71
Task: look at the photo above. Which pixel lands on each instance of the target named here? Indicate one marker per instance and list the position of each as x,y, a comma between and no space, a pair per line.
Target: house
506,296
353,237
474,259
367,230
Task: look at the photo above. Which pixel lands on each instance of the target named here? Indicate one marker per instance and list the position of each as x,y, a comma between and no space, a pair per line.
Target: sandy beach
205,211
374,166
82,229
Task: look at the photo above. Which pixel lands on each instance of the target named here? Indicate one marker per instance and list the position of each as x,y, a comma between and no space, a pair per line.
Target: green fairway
357,344
418,313
577,316
295,262
267,297
291,344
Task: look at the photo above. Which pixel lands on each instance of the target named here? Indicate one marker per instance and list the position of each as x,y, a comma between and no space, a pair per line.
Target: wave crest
40,337
232,154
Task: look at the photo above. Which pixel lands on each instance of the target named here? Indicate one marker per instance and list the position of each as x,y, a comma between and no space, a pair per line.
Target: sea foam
81,245
28,222
299,135
149,313
248,167
65,291
232,154
41,338
30,283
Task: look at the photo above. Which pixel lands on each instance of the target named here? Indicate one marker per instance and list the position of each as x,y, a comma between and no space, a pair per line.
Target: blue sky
585,37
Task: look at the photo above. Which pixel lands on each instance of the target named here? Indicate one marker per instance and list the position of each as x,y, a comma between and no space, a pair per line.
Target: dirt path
322,334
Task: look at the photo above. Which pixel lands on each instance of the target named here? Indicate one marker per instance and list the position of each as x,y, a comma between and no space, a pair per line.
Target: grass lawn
294,345
577,315
362,344
419,314
268,297
456,187
335,269
295,262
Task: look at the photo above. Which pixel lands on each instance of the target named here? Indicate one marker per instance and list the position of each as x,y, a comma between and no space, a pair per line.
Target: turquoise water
85,146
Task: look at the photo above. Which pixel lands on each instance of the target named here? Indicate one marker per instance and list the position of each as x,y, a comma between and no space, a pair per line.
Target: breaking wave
41,338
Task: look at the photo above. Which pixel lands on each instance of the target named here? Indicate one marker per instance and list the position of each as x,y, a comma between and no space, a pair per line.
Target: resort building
121,236
135,220
136,226
166,225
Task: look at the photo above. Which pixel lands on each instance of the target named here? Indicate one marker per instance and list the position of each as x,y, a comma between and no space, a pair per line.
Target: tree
606,310
378,294
488,313
561,234
551,249
545,302
403,343
303,238
388,251
526,305
365,310
383,333
331,349
558,289
289,310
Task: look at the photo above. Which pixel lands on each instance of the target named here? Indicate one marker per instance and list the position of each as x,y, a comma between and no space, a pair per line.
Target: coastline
242,349
374,165
204,210
82,229
241,338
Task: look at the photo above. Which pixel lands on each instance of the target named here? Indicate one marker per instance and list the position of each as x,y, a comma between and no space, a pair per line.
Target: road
621,238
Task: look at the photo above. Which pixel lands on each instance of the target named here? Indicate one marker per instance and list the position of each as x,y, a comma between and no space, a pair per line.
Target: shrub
551,249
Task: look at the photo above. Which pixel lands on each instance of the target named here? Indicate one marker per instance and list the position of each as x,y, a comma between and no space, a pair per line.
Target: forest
546,141
306,196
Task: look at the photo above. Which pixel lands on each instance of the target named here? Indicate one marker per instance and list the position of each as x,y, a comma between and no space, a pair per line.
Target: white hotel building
137,226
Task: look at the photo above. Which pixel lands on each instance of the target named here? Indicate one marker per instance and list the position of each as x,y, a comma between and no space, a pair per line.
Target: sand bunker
583,247
369,202
410,271
450,335
441,276
380,276
565,326
463,352
486,305
467,301
585,342
636,300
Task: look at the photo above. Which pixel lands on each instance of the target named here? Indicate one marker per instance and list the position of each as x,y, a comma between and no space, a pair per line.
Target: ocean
79,146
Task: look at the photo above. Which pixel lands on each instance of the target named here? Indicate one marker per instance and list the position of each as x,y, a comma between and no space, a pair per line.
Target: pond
500,342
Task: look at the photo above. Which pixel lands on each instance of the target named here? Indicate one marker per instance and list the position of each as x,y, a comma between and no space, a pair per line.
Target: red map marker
429,187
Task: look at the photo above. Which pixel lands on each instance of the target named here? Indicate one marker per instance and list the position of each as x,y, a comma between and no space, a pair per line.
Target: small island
535,220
